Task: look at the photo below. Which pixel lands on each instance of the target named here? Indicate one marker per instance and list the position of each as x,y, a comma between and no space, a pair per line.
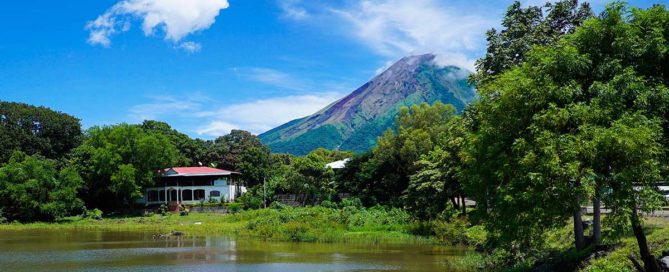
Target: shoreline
230,225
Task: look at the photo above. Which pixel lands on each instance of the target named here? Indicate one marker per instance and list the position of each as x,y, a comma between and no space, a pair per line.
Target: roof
196,171
338,164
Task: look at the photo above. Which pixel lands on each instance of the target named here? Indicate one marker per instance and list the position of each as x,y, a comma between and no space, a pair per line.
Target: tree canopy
523,28
36,130
118,162
31,189
585,114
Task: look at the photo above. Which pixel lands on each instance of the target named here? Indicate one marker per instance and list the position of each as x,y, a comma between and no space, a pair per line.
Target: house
338,164
191,185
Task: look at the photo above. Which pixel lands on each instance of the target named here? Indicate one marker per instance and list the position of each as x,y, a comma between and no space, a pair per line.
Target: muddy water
123,251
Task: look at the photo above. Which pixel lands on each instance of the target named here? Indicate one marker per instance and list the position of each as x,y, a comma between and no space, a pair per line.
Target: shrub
183,211
92,214
351,202
278,205
3,220
298,231
162,210
449,232
212,200
250,201
476,236
328,204
234,207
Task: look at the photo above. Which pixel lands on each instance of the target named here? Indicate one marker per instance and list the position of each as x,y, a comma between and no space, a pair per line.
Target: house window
187,195
153,196
199,194
161,195
214,194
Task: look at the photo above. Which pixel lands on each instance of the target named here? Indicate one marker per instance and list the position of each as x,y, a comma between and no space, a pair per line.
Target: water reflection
109,251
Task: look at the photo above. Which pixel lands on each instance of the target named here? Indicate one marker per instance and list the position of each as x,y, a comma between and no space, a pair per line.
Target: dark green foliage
527,27
584,115
383,175
92,214
192,152
119,162
32,189
243,152
36,130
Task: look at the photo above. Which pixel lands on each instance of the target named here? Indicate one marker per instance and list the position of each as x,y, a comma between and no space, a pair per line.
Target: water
122,251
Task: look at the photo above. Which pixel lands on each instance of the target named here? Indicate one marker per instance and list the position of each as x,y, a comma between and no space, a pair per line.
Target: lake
50,250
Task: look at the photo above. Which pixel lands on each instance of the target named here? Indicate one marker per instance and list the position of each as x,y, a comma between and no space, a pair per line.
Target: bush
250,201
328,204
351,202
3,220
476,236
92,214
212,200
183,211
234,207
276,205
162,210
452,232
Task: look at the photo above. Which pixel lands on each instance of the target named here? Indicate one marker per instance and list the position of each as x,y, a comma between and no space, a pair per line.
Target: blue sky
208,66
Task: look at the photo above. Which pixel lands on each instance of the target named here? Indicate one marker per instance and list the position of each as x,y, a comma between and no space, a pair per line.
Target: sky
209,66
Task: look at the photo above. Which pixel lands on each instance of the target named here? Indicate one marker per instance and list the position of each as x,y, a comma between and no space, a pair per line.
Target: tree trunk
649,262
579,239
454,202
464,207
597,219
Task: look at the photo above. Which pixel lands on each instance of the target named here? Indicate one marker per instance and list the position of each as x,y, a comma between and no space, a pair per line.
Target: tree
192,152
383,175
36,130
310,179
241,151
539,146
32,189
524,28
118,162
438,177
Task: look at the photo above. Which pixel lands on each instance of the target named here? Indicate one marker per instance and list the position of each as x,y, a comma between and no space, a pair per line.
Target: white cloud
161,106
396,28
174,18
384,67
190,47
272,77
200,115
264,114
292,9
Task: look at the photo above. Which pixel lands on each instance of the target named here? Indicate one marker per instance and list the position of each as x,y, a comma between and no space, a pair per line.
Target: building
338,164
191,185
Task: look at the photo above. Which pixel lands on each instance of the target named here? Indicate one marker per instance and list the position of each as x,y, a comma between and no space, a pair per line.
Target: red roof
194,171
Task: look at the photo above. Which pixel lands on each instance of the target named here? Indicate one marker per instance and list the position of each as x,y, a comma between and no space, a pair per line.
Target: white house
190,185
338,164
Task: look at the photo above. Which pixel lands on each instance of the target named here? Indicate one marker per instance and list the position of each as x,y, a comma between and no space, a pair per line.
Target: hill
355,121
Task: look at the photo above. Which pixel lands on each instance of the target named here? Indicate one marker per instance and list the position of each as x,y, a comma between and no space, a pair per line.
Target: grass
313,224
657,233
